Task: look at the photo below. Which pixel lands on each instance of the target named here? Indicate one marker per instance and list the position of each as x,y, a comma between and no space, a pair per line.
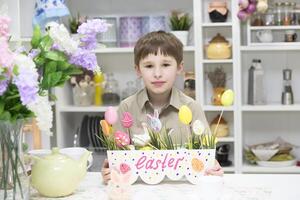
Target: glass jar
111,91
269,17
278,9
257,19
287,19
189,84
293,14
129,90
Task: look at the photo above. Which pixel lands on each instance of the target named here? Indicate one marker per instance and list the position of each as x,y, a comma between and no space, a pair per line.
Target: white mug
264,36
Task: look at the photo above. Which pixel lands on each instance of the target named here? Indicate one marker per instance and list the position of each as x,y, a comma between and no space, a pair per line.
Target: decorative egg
185,115
111,115
227,98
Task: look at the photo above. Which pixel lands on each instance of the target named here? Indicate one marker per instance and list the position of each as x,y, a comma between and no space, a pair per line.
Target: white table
237,187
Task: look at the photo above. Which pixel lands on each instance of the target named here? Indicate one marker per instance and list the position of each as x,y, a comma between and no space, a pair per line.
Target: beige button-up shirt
139,106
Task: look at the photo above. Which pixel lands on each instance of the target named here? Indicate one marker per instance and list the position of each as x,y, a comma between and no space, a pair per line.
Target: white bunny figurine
119,187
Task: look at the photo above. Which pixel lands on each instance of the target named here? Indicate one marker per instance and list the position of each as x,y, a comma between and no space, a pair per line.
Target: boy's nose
157,72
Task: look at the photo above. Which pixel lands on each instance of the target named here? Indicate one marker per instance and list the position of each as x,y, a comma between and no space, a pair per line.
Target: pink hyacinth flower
4,26
127,120
111,115
122,139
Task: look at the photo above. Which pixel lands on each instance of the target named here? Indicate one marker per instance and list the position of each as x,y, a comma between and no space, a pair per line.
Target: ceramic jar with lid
218,11
218,48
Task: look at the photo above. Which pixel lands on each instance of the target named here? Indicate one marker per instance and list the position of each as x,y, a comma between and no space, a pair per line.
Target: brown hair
153,42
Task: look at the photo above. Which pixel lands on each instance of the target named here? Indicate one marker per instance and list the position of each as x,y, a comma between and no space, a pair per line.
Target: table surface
237,187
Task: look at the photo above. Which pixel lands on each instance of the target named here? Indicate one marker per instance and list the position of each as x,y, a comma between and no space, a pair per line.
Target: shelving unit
248,124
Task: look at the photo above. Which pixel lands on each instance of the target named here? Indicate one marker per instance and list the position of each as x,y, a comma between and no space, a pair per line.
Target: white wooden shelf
274,107
81,108
247,168
271,48
217,108
277,44
219,24
229,169
226,139
274,28
217,61
130,49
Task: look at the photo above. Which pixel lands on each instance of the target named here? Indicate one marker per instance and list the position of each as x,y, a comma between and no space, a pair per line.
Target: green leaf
73,71
1,107
52,97
46,43
61,66
16,70
55,56
2,77
5,116
39,60
37,35
16,107
53,79
50,67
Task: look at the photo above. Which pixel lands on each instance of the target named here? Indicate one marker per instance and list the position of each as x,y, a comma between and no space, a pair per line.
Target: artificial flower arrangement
154,154
26,78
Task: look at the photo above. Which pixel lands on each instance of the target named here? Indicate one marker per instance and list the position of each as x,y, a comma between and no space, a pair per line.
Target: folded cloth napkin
49,10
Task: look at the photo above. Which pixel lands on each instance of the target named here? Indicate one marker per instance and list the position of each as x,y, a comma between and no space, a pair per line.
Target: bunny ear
144,125
126,177
115,176
156,113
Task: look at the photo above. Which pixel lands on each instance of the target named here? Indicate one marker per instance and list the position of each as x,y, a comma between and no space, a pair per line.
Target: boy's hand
105,171
217,170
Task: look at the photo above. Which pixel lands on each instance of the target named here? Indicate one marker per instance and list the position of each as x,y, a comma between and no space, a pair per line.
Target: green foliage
180,21
74,23
11,108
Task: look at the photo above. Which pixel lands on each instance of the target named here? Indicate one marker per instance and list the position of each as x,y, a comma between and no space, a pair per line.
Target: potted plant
180,24
218,81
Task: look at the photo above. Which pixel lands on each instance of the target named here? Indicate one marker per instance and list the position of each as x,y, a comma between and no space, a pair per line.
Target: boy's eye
148,66
166,64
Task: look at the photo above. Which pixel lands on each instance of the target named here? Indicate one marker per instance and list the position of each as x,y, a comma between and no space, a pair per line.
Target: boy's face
158,72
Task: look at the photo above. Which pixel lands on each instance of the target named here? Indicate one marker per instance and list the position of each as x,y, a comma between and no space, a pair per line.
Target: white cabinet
248,124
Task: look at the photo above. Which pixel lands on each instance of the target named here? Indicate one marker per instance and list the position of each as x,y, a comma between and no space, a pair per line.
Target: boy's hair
153,42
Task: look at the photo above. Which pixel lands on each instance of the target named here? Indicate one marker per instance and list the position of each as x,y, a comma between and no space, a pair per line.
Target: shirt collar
174,100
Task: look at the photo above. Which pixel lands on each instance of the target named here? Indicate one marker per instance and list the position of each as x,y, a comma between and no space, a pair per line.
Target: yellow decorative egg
185,115
227,98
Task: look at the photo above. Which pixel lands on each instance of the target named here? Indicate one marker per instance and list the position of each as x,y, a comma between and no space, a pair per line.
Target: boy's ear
180,68
138,71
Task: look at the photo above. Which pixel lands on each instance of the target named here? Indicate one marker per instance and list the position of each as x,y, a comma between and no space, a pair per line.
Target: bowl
264,154
296,152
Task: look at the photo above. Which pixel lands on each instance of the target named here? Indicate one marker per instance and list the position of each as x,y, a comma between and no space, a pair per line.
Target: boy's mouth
158,83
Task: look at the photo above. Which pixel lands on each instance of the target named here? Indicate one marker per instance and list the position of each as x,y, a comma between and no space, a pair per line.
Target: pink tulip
122,139
111,115
127,120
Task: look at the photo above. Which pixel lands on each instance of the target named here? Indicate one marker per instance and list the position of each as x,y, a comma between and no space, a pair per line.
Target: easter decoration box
155,154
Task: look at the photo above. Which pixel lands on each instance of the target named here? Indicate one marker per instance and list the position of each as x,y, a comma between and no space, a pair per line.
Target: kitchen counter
237,187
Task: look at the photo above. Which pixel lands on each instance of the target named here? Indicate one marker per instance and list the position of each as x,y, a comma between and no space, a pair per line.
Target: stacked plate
90,133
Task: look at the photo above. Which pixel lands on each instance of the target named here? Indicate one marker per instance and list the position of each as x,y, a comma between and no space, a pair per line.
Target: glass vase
14,181
217,94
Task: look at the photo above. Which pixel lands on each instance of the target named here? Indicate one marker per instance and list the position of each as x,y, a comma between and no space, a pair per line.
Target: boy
158,59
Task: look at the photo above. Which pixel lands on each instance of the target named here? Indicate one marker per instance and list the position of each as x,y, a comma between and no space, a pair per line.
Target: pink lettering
164,162
157,164
176,164
149,164
170,162
140,162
